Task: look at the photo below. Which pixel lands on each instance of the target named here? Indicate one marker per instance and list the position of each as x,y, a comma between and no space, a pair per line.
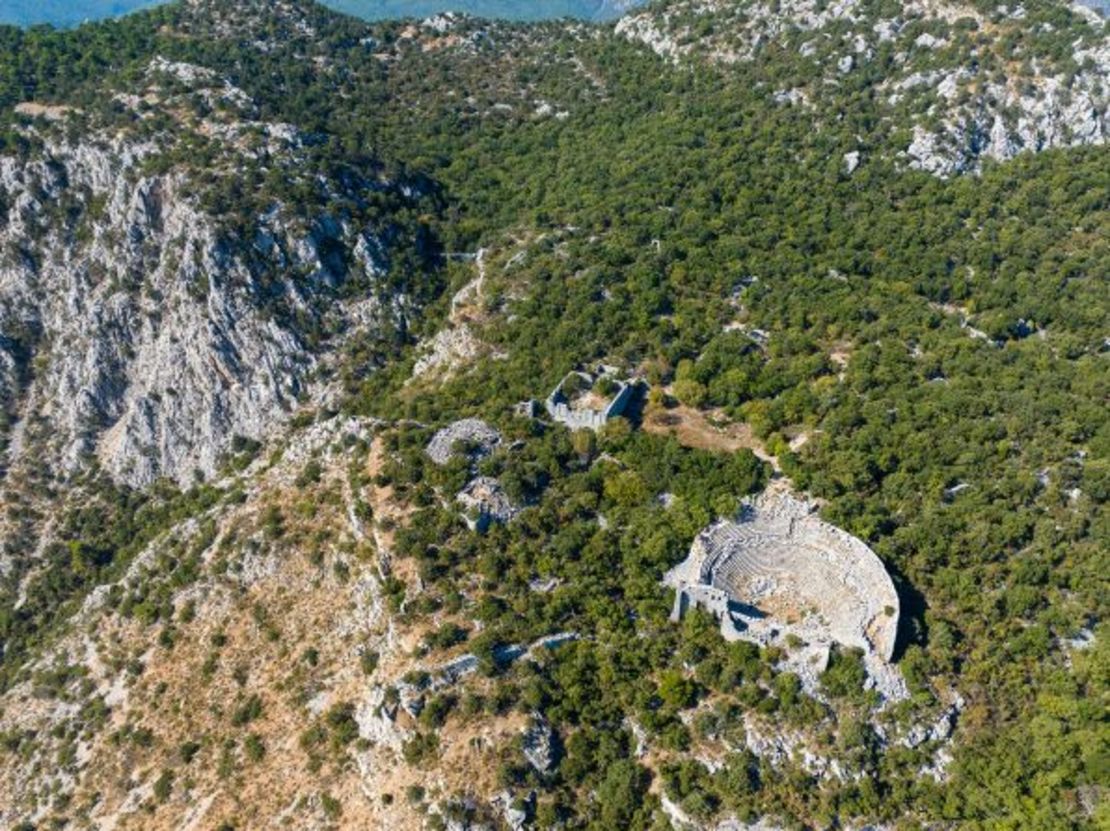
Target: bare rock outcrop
144,327
484,501
472,436
539,745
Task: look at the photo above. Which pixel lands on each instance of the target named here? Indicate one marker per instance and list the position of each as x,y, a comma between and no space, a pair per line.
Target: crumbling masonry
588,412
780,570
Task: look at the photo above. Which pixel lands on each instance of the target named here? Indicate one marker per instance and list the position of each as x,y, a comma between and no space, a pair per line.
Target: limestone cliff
147,317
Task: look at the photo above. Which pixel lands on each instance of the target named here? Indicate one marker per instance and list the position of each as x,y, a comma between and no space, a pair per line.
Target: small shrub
420,748
331,806
164,786
188,751
310,475
247,712
254,747
368,660
341,721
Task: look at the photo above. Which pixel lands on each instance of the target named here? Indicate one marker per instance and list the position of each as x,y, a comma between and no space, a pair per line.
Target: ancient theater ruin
778,571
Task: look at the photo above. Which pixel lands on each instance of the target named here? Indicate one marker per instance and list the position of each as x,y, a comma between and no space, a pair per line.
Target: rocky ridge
971,85
144,326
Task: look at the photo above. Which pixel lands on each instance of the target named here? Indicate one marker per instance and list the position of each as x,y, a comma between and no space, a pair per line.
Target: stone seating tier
780,549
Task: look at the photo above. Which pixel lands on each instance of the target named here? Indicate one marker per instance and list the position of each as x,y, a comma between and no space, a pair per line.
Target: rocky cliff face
145,329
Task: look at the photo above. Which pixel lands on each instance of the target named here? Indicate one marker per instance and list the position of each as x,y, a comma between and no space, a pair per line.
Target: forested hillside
434,222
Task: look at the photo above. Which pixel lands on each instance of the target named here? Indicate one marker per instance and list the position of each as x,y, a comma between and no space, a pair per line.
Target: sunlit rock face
144,329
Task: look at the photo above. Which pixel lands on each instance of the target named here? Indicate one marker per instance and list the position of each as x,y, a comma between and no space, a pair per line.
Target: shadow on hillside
912,628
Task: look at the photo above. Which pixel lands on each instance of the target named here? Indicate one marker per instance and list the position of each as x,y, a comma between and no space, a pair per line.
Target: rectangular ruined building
588,412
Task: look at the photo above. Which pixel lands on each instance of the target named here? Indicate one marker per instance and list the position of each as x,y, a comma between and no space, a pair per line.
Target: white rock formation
479,437
138,328
448,350
539,745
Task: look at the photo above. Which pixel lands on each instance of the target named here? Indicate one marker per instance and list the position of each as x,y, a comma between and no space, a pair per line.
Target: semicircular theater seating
781,555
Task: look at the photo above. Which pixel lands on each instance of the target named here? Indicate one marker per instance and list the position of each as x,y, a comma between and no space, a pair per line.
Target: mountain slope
963,84
173,278
406,235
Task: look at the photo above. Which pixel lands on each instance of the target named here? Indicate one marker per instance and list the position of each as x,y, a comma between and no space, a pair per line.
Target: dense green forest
964,433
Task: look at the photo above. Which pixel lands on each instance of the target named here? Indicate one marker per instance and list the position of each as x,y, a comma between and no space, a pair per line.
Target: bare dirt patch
709,430
51,112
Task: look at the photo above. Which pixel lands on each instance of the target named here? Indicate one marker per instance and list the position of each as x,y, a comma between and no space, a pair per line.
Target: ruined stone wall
620,402
560,410
577,419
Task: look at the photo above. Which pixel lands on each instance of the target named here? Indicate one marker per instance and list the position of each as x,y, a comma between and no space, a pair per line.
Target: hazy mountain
70,12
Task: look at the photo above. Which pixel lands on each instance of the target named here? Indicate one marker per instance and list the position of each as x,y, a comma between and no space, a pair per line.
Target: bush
421,748
188,751
341,722
254,747
368,661
331,806
310,475
247,711
163,786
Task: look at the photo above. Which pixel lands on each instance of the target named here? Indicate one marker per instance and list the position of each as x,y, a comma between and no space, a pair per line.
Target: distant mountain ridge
67,13
507,9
